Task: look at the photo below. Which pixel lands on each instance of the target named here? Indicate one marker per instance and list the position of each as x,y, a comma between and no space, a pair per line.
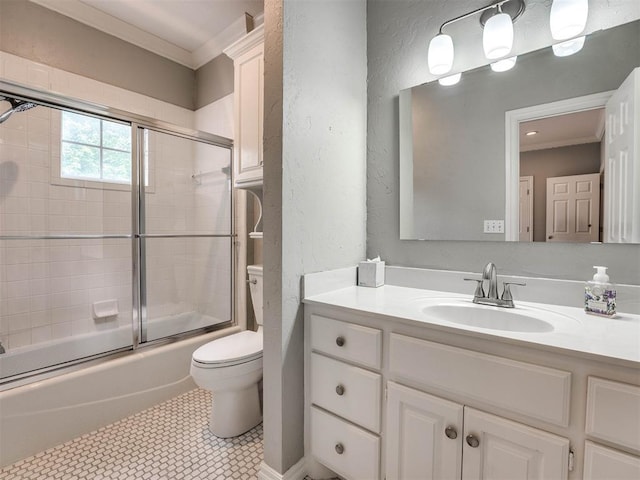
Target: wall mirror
463,164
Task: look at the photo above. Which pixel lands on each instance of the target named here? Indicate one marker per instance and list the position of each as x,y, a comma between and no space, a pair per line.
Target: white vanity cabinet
457,406
425,439
248,98
345,391
423,435
613,416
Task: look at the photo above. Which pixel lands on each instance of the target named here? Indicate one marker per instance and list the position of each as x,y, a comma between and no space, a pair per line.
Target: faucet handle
506,294
479,293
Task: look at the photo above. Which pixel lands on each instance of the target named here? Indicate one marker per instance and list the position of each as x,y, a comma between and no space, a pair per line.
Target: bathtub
45,413
57,352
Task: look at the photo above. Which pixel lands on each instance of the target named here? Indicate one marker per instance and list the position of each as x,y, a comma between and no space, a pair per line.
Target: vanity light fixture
450,80
497,38
568,18
504,64
440,55
497,20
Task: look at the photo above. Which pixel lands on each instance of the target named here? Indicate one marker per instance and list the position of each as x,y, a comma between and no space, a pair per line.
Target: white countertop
608,339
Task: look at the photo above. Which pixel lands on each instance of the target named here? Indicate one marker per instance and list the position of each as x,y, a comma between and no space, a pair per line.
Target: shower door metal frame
140,235
138,123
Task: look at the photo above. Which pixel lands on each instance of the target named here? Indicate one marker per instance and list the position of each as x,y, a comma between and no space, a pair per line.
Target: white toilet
231,368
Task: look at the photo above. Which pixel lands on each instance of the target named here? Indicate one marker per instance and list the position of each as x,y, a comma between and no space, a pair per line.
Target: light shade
497,38
569,47
450,80
568,18
440,56
504,64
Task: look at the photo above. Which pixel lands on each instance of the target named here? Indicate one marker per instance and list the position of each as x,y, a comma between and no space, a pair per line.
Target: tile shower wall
47,287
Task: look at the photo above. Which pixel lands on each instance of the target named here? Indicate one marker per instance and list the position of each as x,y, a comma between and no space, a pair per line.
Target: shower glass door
65,238
185,235
113,232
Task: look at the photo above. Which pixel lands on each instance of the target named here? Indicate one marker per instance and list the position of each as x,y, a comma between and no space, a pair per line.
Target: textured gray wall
42,35
555,162
314,185
459,131
398,35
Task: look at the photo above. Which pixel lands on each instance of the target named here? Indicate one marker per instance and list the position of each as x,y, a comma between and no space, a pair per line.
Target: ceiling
189,32
563,130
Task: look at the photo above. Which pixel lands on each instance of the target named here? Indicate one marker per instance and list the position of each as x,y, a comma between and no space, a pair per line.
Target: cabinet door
606,463
495,448
419,446
249,109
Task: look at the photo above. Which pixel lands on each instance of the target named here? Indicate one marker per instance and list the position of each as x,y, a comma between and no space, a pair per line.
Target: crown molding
246,43
106,23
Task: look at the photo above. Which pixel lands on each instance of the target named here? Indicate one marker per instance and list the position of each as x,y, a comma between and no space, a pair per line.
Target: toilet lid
239,347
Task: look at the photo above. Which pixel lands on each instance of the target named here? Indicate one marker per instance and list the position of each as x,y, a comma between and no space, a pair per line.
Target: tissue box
371,274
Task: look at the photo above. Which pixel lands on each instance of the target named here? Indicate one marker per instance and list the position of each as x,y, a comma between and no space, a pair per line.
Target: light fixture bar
517,12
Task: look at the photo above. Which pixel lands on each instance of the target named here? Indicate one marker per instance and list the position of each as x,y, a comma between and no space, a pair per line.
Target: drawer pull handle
473,441
340,341
339,448
340,390
451,432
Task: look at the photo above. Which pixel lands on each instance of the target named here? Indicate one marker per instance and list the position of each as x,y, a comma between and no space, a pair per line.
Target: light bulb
497,38
568,18
569,47
440,56
504,64
450,80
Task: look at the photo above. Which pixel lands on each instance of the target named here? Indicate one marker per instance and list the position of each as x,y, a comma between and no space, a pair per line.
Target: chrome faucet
2,350
490,275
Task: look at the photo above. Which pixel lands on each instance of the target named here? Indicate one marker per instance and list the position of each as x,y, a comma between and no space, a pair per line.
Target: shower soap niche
105,309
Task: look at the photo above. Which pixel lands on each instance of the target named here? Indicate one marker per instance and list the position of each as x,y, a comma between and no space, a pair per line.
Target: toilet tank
255,286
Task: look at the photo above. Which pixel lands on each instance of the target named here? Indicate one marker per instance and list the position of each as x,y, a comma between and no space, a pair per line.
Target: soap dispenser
600,295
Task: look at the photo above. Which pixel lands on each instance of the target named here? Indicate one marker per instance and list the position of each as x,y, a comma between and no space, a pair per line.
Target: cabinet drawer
347,341
613,412
601,462
349,391
498,381
348,450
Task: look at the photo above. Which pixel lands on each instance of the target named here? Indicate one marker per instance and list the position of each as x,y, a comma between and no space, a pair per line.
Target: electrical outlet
494,226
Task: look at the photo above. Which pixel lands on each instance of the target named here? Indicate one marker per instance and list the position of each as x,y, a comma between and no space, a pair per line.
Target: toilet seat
231,350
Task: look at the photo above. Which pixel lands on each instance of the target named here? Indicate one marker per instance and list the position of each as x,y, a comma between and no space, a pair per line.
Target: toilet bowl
231,368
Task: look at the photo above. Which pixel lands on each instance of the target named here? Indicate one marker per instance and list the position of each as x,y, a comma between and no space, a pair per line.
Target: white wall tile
41,334
19,339
61,330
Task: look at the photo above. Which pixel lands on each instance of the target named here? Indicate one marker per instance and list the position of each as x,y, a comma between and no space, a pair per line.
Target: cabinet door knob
339,448
340,341
340,390
451,432
473,441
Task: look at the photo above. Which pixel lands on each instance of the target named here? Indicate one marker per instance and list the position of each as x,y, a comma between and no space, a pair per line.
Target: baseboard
297,472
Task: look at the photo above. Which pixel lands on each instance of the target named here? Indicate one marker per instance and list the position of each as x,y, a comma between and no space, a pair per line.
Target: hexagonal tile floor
170,441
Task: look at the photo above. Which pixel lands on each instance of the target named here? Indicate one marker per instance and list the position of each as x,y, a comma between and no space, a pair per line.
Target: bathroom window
94,152
95,149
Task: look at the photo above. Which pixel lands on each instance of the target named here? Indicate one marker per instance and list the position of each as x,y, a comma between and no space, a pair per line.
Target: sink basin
493,318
